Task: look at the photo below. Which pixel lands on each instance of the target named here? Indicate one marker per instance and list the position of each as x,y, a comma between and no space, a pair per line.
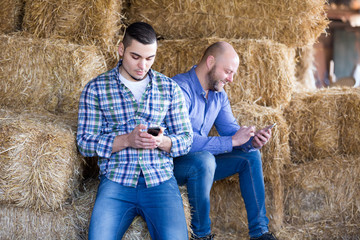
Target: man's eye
135,57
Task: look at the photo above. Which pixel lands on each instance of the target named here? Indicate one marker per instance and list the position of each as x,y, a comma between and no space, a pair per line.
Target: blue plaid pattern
107,108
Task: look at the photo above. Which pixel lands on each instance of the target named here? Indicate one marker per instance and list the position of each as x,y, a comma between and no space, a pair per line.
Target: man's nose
141,64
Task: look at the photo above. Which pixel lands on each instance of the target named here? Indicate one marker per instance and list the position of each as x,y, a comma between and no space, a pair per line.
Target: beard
213,83
136,79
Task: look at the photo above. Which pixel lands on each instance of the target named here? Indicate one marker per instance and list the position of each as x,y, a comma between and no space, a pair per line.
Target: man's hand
261,137
163,142
141,139
243,135
136,139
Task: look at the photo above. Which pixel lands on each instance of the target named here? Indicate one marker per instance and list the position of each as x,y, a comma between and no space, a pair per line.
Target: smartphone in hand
270,127
153,131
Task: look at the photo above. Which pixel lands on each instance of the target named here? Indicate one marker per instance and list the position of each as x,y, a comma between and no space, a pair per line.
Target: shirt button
140,158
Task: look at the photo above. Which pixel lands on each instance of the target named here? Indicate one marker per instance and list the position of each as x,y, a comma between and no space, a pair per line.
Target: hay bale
318,230
349,126
82,22
323,122
70,222
228,213
39,162
10,15
266,72
45,74
324,195
294,23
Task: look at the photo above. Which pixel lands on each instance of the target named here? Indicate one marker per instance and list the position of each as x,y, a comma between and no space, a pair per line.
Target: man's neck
202,76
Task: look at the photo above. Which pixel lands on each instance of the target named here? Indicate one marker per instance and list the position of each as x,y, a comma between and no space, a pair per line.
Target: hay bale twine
266,73
294,23
323,196
39,162
82,21
323,122
10,15
45,74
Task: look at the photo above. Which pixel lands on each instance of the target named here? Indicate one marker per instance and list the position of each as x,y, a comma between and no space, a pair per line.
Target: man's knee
204,162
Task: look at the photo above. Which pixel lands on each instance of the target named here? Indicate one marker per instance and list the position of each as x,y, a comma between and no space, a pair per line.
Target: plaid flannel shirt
107,108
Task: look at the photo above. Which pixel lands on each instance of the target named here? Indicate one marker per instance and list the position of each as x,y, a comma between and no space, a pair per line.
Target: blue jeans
199,170
116,206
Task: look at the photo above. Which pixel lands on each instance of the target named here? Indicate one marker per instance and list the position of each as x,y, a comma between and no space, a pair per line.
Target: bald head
217,66
218,50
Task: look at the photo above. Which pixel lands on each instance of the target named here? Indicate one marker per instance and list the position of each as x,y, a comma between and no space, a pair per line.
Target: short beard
136,79
212,82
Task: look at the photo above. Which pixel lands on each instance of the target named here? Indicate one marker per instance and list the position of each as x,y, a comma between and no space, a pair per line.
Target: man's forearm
165,144
120,143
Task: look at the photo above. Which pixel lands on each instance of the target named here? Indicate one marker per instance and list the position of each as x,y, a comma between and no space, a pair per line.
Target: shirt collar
196,82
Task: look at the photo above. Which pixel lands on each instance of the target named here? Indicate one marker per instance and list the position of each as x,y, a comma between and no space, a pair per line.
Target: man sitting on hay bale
136,170
236,150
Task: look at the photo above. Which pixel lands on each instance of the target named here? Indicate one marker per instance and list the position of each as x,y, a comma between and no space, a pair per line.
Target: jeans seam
121,221
252,181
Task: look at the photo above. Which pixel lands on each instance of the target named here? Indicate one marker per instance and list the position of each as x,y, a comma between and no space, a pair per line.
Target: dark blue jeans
116,206
199,170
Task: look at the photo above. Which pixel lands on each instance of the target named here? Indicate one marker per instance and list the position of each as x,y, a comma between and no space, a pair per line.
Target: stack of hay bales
43,69
322,183
83,22
266,35
40,167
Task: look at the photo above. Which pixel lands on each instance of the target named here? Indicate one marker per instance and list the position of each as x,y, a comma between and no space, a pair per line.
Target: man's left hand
261,138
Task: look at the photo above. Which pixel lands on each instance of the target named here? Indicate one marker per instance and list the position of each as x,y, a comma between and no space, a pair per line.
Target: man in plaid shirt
136,168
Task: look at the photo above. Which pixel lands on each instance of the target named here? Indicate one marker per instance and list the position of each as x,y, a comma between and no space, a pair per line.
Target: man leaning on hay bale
236,150
136,170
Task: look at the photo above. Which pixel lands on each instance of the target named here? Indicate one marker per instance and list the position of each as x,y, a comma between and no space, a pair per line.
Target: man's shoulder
163,79
101,80
183,79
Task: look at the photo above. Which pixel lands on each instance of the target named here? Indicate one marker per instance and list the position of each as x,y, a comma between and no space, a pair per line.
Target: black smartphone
153,131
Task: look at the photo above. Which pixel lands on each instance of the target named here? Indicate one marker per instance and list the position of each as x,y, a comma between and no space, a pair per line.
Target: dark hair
141,32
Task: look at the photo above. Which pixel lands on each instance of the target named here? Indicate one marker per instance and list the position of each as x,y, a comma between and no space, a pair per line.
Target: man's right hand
243,135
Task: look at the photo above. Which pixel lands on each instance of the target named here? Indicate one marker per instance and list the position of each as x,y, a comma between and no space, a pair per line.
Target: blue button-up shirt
107,108
205,112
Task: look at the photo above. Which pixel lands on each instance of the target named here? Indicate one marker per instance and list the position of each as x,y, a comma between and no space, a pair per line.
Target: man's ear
121,49
210,61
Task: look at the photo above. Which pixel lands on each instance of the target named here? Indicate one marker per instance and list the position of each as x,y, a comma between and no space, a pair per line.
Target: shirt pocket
158,111
116,119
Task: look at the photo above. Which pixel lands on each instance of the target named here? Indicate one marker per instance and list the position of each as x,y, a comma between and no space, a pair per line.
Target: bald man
236,150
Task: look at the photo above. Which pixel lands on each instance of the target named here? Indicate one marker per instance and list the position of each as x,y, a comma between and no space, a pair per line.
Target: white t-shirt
137,88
